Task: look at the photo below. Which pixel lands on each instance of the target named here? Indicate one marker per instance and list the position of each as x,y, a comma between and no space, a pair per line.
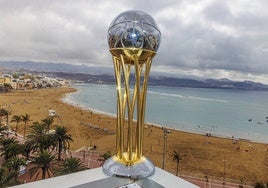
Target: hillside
83,73
166,81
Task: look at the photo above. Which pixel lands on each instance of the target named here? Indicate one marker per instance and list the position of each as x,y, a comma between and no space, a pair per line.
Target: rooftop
97,178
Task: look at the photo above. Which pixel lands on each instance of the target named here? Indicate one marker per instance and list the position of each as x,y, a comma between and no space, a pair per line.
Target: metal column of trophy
133,38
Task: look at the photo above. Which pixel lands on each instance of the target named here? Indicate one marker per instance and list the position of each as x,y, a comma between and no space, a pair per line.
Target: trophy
133,38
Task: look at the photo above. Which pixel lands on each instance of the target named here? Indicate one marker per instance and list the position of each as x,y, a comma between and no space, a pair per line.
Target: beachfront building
5,82
14,84
30,81
5,79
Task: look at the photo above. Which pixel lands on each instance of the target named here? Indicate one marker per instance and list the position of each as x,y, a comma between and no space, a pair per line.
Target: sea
241,114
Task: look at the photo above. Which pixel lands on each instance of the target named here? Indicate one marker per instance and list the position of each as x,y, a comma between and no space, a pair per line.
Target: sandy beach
201,155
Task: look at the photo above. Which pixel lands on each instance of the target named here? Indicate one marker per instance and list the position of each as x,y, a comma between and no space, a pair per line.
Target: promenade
90,157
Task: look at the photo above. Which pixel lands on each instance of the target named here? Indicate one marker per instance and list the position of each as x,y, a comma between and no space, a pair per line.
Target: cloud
216,36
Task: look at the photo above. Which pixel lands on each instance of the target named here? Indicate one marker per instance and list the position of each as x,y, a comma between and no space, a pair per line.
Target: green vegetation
7,177
41,151
261,185
4,113
10,148
105,156
43,163
16,119
25,118
62,138
71,165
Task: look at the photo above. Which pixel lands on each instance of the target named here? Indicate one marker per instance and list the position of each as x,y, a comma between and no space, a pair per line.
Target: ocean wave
187,97
166,94
207,99
70,101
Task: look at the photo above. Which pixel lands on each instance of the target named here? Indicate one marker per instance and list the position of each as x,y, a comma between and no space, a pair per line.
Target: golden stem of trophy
130,134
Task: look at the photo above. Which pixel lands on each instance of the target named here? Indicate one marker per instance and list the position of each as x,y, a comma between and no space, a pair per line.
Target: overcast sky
206,38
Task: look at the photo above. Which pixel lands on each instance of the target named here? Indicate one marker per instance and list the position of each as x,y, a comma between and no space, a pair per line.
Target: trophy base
141,169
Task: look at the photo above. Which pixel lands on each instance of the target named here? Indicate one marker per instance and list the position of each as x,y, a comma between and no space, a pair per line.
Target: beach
202,155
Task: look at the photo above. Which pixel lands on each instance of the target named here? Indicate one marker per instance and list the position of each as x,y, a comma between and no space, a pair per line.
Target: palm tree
177,158
39,138
4,113
7,141
71,165
2,128
48,122
43,163
27,148
62,138
10,148
7,178
16,119
25,119
14,163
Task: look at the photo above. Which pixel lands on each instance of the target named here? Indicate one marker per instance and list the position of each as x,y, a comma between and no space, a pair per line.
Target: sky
200,38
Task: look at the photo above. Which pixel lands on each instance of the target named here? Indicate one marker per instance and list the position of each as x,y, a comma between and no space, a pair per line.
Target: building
5,79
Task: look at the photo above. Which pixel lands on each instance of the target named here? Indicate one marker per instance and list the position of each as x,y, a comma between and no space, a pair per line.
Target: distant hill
52,67
83,73
165,81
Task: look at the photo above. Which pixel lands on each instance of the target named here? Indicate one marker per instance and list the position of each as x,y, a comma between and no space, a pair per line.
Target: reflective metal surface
141,169
134,29
128,54
133,39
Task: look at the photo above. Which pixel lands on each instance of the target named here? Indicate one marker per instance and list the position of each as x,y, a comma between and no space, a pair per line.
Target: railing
213,183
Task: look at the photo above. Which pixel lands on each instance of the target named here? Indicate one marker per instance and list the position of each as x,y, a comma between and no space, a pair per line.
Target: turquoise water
221,112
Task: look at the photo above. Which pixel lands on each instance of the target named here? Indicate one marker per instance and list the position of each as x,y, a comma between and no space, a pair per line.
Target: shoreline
202,156
65,99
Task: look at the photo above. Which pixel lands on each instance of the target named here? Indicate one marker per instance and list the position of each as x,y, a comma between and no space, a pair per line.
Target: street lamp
165,132
224,161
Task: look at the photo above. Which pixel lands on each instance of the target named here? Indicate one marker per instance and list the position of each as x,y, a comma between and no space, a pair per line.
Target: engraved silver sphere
134,29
